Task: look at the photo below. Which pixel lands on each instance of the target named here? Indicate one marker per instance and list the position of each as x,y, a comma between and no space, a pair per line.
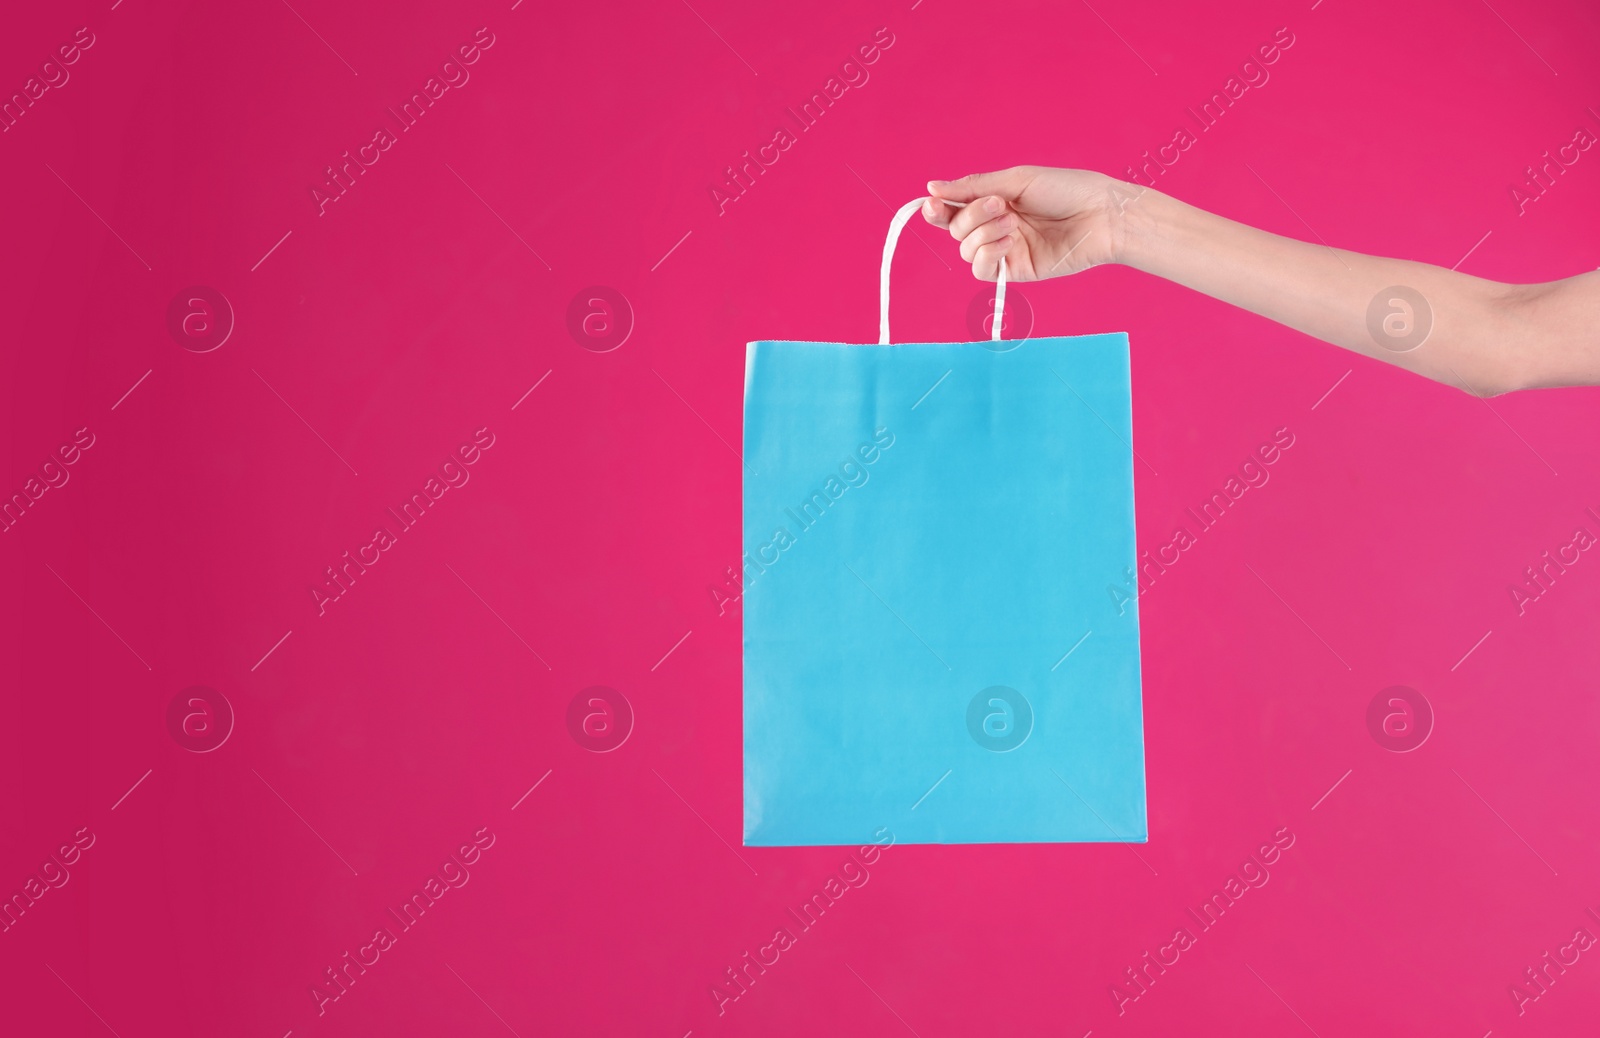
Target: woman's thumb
1005,183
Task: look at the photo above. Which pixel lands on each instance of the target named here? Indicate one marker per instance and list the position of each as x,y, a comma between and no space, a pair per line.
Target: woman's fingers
1007,183
983,195
985,222
938,213
985,233
976,214
986,261
962,220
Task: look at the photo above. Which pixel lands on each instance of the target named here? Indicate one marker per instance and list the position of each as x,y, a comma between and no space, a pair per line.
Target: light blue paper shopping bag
930,530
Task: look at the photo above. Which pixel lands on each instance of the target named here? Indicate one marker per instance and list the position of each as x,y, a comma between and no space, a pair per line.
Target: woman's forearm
1480,336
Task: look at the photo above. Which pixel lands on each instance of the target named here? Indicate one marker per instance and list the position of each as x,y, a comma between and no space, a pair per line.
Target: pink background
372,742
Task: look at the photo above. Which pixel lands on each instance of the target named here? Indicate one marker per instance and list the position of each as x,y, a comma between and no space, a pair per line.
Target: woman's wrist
1136,220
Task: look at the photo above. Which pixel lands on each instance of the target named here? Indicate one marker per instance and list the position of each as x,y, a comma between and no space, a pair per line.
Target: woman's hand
1045,222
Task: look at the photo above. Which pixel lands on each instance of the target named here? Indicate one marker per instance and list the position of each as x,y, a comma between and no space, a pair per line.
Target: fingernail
991,205
934,185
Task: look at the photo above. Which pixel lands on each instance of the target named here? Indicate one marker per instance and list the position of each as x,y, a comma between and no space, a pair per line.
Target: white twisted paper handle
897,225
